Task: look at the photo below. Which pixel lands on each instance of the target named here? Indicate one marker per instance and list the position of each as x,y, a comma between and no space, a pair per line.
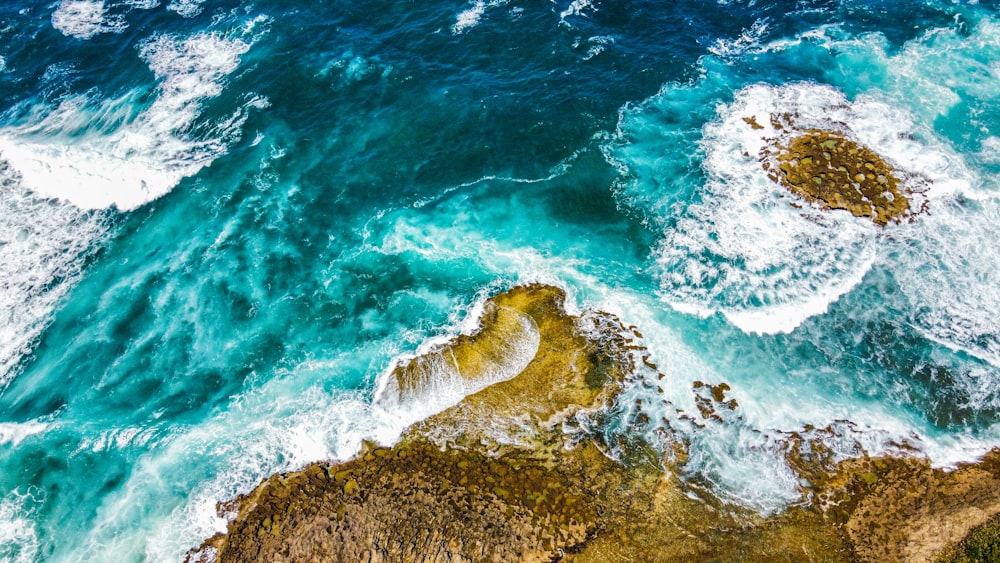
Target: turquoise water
221,222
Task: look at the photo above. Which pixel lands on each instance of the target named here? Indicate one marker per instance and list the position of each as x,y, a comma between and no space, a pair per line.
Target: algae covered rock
830,169
981,544
484,496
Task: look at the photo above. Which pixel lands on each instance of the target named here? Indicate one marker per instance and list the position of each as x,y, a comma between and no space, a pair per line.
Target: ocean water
222,222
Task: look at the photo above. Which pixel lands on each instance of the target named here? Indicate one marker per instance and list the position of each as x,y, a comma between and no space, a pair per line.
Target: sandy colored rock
497,478
488,480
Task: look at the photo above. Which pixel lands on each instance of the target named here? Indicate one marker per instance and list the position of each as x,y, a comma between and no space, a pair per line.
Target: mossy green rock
982,544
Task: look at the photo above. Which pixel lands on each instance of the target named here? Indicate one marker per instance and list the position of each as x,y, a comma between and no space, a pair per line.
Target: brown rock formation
496,478
505,487
903,510
827,168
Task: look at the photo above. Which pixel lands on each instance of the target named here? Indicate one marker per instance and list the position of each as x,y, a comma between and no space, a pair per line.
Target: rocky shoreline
507,474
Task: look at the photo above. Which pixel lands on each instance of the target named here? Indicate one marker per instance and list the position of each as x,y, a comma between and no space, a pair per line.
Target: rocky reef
827,168
512,473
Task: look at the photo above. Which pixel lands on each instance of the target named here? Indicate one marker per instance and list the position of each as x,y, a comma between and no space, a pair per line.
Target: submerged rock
498,478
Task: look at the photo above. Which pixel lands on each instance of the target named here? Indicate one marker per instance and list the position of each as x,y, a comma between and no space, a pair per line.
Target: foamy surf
84,19
186,8
748,249
146,157
469,18
53,176
576,8
13,433
43,243
943,261
948,266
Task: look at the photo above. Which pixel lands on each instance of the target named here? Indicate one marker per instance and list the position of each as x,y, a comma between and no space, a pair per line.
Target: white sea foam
944,261
949,268
146,157
186,8
18,533
948,451
577,8
119,438
84,19
989,151
748,40
469,18
42,244
14,433
948,263
745,467
82,156
597,45
745,251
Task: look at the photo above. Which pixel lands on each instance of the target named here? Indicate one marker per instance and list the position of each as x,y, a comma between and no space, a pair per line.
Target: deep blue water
221,222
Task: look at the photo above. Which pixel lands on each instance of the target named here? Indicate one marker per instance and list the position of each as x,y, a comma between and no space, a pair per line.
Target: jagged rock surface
496,478
832,170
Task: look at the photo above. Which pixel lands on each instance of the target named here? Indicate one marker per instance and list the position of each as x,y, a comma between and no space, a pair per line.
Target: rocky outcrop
982,544
903,510
829,169
490,479
511,474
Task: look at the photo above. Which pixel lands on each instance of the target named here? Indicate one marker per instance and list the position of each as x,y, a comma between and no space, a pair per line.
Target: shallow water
212,249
